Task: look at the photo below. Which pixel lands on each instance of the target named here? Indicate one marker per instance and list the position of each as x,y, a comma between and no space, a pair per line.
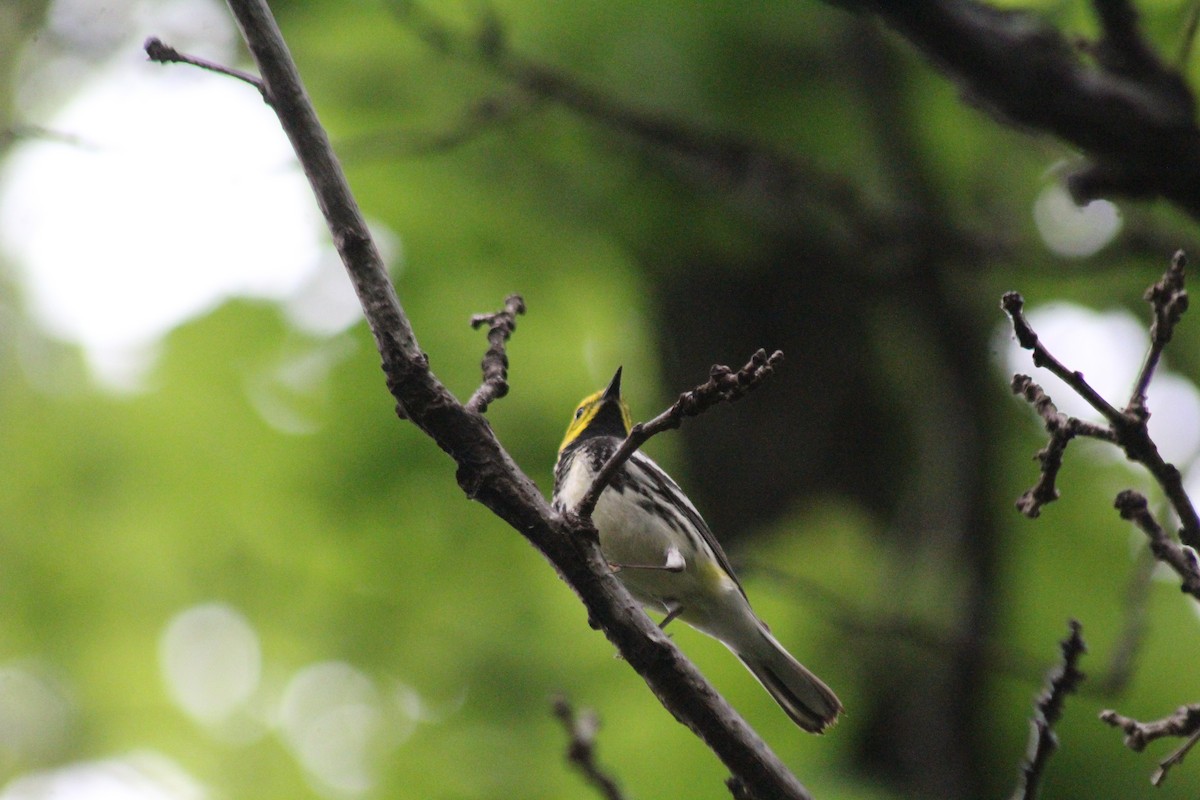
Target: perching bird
668,558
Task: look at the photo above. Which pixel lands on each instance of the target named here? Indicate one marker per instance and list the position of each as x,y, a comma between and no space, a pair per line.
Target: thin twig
778,183
501,325
1181,558
1047,711
480,117
1014,305
723,386
581,731
1174,758
1185,722
165,54
1169,299
1062,430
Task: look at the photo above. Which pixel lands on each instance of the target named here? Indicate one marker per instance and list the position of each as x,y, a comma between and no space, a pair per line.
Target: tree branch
1129,113
480,116
1185,722
1181,558
1127,427
501,325
1014,305
723,386
581,747
1062,430
1047,711
485,471
776,184
1127,646
1121,48
1169,299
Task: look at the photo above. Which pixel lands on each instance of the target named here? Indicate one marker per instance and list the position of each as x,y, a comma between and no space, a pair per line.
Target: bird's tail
807,700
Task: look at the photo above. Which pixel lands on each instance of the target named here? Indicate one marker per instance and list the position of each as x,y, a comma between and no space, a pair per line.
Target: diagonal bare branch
485,471
1014,305
1181,558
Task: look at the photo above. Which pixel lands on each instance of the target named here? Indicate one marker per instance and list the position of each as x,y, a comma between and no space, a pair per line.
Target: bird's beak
613,392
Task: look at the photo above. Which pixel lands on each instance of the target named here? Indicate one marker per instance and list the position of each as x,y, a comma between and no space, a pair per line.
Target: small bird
669,560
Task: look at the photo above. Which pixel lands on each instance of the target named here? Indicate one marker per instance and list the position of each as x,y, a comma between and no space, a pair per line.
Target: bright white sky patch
182,192
183,195
1174,404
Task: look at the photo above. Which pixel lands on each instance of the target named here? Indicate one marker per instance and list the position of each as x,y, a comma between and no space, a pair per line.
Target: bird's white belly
635,541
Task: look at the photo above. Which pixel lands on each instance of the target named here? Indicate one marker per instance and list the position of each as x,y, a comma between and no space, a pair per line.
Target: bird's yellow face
600,411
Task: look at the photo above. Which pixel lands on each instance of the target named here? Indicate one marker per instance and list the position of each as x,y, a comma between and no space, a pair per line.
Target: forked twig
1062,430
723,386
1184,723
1127,428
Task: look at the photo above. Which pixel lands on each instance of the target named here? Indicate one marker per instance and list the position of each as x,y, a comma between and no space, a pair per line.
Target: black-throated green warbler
668,558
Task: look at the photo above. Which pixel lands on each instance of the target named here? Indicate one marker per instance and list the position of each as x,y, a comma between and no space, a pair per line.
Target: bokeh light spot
211,662
333,717
1070,230
143,775
35,716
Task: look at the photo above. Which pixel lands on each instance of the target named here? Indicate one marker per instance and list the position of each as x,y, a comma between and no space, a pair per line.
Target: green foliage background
353,543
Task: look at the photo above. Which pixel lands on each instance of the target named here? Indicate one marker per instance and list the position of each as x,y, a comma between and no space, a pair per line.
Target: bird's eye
579,412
